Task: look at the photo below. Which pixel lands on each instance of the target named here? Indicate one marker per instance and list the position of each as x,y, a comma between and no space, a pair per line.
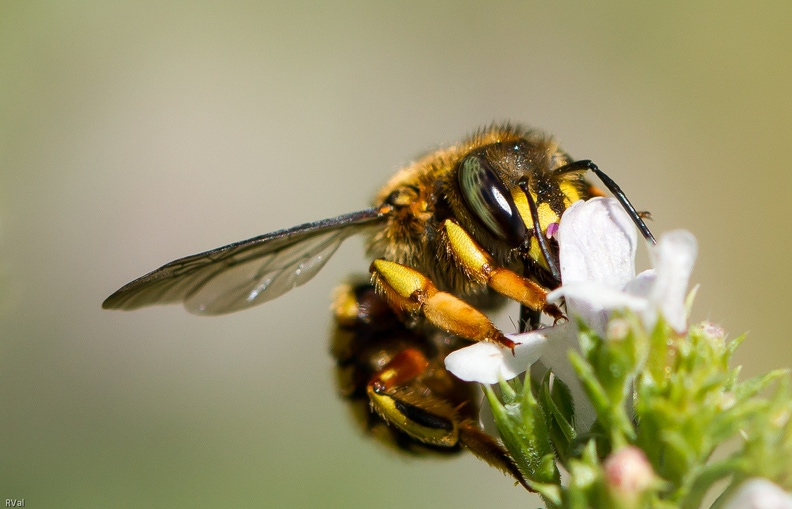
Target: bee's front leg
481,267
408,290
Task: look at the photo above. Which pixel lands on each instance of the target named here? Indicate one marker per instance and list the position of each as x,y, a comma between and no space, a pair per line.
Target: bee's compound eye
489,200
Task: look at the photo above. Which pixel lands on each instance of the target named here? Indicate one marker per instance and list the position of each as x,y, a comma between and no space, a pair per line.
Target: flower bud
628,475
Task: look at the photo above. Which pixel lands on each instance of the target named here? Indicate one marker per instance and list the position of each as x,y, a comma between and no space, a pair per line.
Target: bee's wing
244,273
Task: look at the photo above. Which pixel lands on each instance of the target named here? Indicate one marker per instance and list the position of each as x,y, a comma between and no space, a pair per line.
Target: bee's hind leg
430,419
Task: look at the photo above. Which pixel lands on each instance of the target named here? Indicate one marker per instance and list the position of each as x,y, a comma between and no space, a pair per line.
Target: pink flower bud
628,473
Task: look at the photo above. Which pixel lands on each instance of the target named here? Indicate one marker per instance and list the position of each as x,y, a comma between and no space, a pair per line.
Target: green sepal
523,428
557,401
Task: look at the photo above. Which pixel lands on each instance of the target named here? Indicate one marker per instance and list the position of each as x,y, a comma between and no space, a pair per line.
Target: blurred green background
135,132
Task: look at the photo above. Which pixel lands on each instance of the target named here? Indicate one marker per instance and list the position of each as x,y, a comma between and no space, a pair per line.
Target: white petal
642,285
486,362
760,494
601,297
593,301
675,255
597,242
561,339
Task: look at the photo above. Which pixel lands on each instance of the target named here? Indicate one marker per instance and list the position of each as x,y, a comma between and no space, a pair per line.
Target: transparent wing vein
245,273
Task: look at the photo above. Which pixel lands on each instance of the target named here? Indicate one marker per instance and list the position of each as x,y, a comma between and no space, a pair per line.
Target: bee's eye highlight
489,200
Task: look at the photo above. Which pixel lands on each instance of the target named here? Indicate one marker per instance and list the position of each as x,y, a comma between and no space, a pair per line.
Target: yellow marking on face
545,212
521,202
546,216
571,193
535,252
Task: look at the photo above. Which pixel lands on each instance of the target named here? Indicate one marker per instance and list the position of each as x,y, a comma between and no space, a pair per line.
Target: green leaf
522,426
560,408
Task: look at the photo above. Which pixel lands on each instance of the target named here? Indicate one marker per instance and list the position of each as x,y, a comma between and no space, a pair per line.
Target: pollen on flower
552,230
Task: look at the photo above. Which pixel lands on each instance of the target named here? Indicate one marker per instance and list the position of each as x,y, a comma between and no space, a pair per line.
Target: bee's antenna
614,188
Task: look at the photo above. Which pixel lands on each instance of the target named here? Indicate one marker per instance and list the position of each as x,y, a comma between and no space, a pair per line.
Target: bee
458,228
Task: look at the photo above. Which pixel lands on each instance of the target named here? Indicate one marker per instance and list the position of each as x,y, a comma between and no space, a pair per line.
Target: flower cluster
626,397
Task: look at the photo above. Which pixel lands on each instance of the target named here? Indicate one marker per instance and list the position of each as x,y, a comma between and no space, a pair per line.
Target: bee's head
511,192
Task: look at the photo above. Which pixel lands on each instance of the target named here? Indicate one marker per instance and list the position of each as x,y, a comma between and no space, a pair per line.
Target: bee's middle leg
408,290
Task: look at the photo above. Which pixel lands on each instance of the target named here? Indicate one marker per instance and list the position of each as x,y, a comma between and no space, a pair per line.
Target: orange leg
408,290
481,267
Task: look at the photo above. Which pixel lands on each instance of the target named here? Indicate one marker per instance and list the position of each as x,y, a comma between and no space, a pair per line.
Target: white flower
597,244
599,277
760,494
